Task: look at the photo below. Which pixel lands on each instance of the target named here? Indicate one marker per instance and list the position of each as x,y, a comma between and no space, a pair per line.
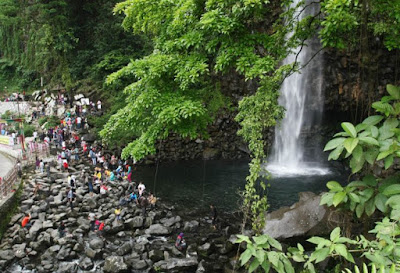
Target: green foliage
363,198
373,269
376,138
197,46
345,22
28,130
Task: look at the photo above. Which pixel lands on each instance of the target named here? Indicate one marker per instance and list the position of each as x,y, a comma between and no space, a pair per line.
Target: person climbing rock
26,221
180,242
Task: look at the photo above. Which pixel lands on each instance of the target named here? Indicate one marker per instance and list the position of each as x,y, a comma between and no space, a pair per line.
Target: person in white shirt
99,105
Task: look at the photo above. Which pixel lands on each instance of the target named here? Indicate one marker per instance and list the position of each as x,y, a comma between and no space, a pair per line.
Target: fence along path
10,179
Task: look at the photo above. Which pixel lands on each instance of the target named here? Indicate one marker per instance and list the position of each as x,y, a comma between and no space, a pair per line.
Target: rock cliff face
353,81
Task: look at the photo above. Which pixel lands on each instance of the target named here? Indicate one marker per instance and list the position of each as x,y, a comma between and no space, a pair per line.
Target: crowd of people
105,172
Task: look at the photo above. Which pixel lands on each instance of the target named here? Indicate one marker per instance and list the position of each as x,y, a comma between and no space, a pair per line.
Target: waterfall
301,96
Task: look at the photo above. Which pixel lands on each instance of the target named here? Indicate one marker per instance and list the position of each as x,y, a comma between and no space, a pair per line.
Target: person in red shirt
26,221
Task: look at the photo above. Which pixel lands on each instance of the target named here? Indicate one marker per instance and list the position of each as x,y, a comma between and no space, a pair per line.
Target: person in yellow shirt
118,213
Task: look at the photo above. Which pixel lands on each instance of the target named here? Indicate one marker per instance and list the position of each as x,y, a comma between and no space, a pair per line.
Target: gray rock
302,219
204,250
96,243
139,265
19,250
86,264
124,249
115,264
168,222
158,229
7,255
90,252
191,225
135,222
35,229
156,255
177,264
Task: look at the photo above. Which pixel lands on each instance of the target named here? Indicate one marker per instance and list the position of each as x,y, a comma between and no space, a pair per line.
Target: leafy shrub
42,120
28,130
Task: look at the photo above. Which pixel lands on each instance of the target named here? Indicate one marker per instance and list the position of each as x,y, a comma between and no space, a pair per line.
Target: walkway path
5,164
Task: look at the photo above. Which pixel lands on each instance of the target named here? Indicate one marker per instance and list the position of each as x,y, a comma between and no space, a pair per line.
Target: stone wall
223,143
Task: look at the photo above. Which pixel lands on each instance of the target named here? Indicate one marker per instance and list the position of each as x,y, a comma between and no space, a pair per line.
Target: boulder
304,218
36,228
96,243
168,222
158,229
135,222
191,225
124,249
156,255
176,264
115,264
86,264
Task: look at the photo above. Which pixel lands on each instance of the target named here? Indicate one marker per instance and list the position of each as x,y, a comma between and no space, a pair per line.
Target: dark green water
200,183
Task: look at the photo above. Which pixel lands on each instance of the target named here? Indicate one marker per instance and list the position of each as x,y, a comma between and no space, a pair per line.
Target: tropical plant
362,198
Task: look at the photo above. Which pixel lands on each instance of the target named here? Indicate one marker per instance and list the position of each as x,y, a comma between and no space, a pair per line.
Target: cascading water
301,95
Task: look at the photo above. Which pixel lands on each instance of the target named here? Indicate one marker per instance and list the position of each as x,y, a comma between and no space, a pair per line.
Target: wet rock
115,264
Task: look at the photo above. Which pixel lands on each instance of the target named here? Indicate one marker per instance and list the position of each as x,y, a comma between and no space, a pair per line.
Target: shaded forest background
75,44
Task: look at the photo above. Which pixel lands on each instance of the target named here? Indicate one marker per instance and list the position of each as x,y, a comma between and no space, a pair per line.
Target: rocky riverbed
135,244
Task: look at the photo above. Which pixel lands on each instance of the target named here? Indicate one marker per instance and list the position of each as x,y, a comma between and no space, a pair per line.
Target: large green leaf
350,144
253,266
360,209
336,153
350,129
327,199
357,153
338,198
370,155
335,234
394,91
369,140
319,254
392,190
372,120
273,257
245,257
389,161
393,200
332,144
370,180
356,165
380,201
370,207
334,186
